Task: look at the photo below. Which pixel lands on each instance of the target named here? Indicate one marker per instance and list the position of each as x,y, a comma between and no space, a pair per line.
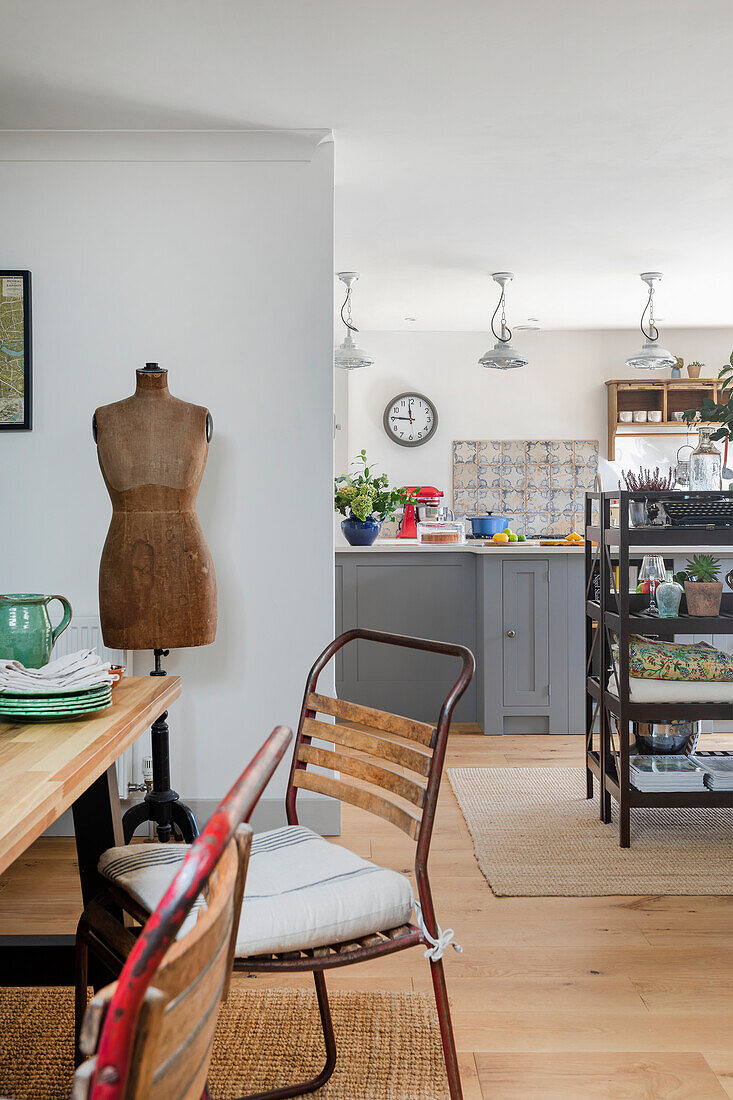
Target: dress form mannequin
157,587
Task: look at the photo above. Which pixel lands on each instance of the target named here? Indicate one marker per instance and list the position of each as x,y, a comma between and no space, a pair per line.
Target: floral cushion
652,659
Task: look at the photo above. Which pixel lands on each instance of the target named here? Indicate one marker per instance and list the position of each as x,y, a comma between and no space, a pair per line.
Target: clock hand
399,418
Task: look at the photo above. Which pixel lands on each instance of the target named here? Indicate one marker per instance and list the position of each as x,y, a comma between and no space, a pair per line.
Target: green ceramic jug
26,634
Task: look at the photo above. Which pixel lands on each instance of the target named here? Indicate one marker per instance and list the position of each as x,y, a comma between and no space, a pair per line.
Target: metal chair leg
446,1030
81,981
318,1082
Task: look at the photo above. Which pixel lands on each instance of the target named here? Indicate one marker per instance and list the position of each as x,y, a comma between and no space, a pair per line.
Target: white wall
214,257
560,394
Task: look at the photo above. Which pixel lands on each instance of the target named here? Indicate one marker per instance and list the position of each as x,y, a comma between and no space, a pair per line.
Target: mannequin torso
157,587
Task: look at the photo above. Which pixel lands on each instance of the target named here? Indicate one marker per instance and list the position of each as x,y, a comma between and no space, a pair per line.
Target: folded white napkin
75,672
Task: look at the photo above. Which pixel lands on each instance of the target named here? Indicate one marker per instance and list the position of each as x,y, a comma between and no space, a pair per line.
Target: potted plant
718,412
702,588
642,512
366,501
694,368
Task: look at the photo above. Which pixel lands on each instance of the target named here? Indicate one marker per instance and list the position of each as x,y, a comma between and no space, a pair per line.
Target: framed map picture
15,351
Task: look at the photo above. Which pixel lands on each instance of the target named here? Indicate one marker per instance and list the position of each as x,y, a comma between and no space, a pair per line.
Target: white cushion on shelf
642,690
301,891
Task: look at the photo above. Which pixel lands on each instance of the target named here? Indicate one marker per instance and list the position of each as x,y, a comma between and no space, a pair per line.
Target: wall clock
410,419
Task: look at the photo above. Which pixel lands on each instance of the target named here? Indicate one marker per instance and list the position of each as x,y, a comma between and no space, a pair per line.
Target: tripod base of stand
167,811
161,804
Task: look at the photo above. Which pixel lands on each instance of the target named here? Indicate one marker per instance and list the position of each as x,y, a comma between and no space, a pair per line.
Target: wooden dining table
49,767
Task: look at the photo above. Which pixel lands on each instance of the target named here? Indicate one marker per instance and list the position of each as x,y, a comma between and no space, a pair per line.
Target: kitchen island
519,607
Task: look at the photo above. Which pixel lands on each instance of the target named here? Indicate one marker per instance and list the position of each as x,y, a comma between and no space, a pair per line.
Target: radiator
85,632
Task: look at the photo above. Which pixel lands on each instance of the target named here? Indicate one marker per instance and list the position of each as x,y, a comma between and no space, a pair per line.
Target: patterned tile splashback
539,485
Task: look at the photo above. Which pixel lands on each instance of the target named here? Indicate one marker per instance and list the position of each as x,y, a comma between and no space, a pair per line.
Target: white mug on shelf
625,417
655,416
640,416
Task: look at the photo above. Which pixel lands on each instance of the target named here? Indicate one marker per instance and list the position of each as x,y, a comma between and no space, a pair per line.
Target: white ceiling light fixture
650,356
502,356
348,355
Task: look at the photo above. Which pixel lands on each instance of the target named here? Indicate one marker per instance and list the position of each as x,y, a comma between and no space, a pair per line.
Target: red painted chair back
153,1029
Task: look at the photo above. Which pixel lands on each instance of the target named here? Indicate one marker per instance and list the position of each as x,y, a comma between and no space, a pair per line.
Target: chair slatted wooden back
150,1033
401,758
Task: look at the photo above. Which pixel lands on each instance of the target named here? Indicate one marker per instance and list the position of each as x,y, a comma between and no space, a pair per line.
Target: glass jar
669,595
706,464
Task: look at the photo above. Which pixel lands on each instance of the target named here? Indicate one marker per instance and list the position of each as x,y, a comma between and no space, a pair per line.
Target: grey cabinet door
425,595
526,641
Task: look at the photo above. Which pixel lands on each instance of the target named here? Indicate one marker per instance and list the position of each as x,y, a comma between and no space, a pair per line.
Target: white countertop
405,546
402,546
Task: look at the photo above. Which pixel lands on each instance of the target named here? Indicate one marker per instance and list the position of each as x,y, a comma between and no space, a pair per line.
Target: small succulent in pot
703,590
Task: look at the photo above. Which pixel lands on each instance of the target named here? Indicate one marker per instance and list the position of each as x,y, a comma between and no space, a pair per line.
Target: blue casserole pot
488,524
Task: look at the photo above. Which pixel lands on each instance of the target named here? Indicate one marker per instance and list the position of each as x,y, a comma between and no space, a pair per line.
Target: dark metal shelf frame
613,611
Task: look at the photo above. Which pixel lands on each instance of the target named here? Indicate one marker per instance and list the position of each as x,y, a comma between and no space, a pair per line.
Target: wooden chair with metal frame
310,905
420,750
151,1032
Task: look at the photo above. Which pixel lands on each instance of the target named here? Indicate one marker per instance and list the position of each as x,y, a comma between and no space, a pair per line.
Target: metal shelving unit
614,611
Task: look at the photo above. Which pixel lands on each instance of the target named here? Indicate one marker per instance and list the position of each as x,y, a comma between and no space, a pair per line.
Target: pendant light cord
653,333
501,305
347,320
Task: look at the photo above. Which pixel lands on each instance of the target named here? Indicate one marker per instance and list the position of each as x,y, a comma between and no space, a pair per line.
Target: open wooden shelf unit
665,395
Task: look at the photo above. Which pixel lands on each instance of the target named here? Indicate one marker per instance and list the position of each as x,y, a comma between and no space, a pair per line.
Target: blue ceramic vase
360,532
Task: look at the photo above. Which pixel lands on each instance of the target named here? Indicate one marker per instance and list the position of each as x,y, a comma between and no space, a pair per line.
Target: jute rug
535,835
389,1045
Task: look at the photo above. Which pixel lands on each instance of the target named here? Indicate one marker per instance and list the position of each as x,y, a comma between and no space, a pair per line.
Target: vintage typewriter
691,511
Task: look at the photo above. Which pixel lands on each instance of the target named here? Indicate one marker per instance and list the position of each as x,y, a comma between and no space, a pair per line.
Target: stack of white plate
666,773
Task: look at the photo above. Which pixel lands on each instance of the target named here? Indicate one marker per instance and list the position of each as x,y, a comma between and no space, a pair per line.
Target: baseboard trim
320,814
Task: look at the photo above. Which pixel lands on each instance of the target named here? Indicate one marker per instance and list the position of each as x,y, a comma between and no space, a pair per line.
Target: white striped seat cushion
301,891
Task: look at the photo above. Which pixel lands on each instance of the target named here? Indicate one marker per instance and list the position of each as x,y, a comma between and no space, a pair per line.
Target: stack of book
718,771
666,773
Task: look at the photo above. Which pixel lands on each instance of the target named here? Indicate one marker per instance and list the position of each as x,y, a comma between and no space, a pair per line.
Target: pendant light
348,355
502,356
650,356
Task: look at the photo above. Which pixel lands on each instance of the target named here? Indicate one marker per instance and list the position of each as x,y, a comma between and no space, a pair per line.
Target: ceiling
573,142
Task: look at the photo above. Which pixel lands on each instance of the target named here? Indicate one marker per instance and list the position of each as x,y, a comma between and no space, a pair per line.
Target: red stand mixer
424,496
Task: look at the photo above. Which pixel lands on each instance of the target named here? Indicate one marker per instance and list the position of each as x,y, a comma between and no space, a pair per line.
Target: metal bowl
666,738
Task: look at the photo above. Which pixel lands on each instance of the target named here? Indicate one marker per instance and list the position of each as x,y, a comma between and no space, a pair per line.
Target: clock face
410,419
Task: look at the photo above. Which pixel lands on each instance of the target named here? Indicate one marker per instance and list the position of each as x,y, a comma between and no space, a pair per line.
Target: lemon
500,537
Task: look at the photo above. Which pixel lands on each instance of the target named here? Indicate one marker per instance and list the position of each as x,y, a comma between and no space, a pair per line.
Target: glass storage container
706,464
441,533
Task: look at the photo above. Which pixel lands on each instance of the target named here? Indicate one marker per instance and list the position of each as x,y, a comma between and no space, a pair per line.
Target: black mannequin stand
161,804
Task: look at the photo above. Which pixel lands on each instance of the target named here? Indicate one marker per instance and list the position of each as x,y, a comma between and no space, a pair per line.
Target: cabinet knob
511,633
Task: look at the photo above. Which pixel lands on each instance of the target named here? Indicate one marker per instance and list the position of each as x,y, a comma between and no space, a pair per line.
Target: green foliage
700,567
365,496
717,412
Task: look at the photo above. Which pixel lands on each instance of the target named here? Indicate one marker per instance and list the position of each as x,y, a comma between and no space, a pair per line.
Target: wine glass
653,570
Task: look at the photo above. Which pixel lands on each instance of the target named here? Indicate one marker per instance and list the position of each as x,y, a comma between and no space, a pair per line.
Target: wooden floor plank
597,1076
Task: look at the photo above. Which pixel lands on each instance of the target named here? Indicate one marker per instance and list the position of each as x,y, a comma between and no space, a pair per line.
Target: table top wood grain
45,766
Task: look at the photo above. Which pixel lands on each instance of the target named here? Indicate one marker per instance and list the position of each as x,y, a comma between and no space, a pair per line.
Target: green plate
43,705
28,718
56,710
56,696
